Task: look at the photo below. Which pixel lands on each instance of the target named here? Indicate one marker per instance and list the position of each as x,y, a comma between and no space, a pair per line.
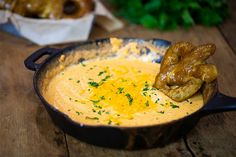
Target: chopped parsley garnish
144,93
79,113
93,110
123,80
102,72
92,118
95,101
78,81
145,89
69,78
157,100
93,84
102,97
97,106
109,122
120,90
146,84
162,112
173,105
99,112
147,103
76,100
130,99
70,98
106,77
107,112
82,64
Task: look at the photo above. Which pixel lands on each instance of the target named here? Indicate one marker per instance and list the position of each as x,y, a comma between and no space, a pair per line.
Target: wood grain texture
77,148
228,28
25,127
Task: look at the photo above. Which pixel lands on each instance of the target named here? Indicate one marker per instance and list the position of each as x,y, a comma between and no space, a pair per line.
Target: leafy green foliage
168,14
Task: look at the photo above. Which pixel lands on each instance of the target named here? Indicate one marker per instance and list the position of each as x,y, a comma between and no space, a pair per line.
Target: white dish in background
47,31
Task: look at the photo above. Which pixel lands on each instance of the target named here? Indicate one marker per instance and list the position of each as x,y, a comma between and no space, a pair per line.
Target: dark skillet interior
114,137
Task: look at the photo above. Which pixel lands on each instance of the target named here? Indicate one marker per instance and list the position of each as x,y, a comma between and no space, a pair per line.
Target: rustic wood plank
25,127
228,28
77,148
215,135
223,58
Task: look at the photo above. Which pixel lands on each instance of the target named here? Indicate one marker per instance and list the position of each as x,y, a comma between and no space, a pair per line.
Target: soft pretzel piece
52,9
183,70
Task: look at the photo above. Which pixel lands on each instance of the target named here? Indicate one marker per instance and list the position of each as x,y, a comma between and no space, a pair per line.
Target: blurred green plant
169,14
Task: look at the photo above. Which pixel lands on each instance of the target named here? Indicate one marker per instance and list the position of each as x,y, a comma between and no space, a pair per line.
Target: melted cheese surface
115,92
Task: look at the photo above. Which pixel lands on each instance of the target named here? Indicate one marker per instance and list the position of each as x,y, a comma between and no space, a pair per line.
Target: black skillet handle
30,62
220,103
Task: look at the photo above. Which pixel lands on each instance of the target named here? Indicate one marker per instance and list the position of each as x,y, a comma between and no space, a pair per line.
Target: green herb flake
93,84
109,122
93,110
101,72
145,89
123,80
78,81
147,103
79,113
69,78
130,99
107,112
145,93
120,90
95,101
173,105
117,123
102,97
99,112
157,100
92,118
106,77
161,112
153,88
81,63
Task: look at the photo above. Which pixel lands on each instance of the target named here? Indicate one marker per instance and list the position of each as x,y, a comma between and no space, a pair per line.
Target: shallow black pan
115,136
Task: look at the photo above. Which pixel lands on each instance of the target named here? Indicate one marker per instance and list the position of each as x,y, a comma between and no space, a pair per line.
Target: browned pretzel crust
184,70
51,9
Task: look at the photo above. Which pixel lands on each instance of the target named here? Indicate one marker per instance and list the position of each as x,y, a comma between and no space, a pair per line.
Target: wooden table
27,130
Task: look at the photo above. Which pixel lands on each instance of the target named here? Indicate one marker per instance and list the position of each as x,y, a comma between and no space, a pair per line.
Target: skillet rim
68,49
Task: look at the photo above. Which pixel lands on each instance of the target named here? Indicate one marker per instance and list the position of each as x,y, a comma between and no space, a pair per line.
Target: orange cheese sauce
115,92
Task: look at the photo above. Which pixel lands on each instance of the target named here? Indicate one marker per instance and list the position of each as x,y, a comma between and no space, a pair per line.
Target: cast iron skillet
117,136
